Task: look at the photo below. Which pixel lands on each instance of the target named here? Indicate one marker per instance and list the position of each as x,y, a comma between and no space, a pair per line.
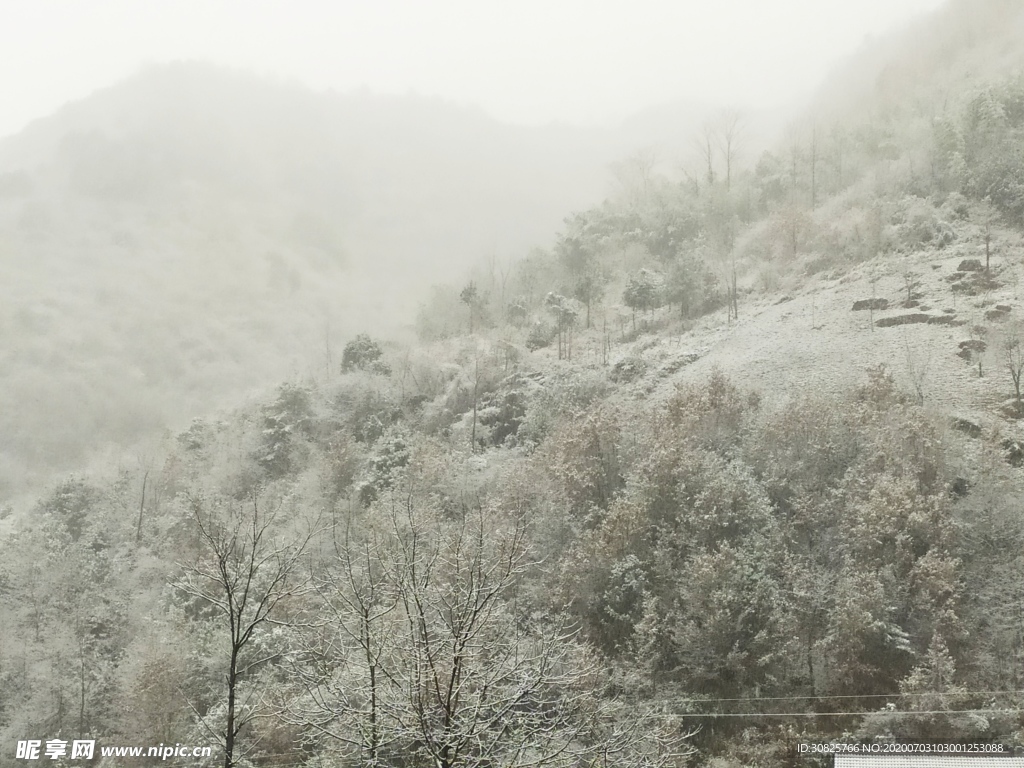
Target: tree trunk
142,507
81,688
374,737
814,168
229,734
604,341
476,389
735,295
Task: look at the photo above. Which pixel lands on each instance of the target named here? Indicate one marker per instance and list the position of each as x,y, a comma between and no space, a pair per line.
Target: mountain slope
192,234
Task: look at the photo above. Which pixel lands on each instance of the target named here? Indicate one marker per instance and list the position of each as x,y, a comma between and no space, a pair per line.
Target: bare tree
989,218
837,146
873,279
244,570
918,362
705,142
146,465
910,281
1013,351
730,130
436,658
635,175
476,395
812,157
729,275
504,270
347,675
794,145
733,288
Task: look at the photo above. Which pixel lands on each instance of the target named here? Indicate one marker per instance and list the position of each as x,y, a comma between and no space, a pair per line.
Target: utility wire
849,714
752,699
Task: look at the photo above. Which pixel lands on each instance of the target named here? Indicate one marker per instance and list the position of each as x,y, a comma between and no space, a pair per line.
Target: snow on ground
813,341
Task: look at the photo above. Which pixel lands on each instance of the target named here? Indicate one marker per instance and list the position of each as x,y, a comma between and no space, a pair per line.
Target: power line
850,714
752,699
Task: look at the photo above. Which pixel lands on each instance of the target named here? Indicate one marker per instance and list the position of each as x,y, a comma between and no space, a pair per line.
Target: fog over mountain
194,233
347,429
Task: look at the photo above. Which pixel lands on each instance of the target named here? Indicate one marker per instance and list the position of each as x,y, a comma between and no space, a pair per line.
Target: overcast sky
527,61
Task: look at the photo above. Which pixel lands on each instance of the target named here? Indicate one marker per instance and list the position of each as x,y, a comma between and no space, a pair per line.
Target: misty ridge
353,430
151,232
194,234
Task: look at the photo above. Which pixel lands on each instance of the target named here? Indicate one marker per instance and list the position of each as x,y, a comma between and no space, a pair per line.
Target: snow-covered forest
669,455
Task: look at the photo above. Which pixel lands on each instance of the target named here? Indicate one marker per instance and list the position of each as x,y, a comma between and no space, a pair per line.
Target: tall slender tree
247,566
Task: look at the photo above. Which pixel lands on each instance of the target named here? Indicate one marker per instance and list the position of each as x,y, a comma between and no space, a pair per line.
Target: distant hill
928,64
407,178
194,233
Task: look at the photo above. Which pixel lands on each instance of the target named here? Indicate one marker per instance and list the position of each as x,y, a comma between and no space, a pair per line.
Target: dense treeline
372,590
